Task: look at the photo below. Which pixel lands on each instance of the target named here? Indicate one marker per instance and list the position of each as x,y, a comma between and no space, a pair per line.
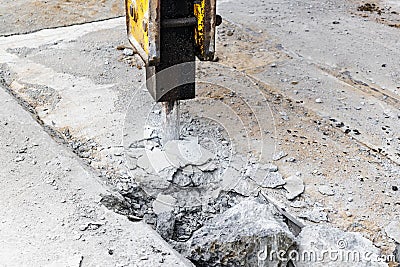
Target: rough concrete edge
59,26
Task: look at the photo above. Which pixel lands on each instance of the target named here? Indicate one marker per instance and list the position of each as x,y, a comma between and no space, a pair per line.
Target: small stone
230,178
22,150
246,187
295,187
188,170
284,116
183,180
127,52
153,161
326,190
19,159
315,215
291,159
83,227
272,168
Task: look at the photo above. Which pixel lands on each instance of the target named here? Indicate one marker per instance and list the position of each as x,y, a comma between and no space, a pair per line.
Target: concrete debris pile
182,167
178,168
206,202
253,233
183,179
181,163
197,179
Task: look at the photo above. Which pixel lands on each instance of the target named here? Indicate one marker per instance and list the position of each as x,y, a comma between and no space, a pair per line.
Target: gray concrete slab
51,211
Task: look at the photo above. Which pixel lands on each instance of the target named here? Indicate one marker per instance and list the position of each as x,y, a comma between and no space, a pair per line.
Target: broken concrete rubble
165,224
271,180
295,187
264,175
177,154
246,187
238,236
163,203
181,153
180,162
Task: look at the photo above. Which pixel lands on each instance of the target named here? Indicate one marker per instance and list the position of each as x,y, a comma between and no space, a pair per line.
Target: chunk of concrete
165,224
271,180
163,203
154,159
181,153
295,187
238,236
392,230
315,215
324,246
246,187
326,190
230,178
144,163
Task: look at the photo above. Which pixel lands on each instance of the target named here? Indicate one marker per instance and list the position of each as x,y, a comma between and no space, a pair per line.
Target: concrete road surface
316,82
51,210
